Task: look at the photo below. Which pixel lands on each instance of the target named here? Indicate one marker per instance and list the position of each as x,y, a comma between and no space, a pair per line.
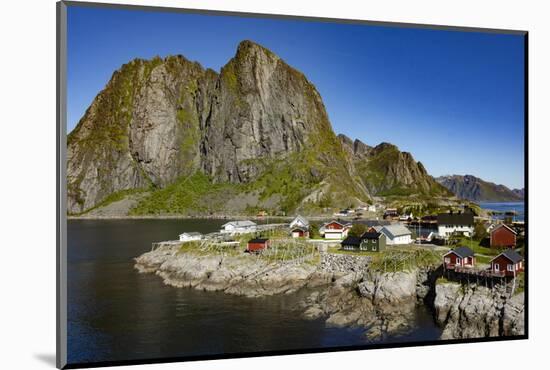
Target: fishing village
366,272
468,245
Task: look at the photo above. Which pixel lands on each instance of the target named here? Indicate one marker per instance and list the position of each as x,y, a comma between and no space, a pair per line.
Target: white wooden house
450,223
299,221
396,234
238,227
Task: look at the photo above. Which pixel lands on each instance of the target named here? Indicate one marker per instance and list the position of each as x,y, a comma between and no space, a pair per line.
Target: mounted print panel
240,185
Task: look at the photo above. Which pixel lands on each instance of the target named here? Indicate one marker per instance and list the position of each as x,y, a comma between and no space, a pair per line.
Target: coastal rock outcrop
477,311
244,275
382,303
341,289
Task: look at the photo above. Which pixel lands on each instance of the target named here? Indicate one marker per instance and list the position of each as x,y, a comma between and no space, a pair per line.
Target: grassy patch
290,178
291,250
483,259
282,249
397,259
476,247
195,194
210,248
114,197
520,283
406,259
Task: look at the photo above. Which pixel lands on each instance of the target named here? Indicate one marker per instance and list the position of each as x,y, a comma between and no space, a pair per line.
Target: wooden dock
478,272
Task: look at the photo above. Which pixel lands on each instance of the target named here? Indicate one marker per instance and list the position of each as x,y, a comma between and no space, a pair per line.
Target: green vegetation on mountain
194,194
386,171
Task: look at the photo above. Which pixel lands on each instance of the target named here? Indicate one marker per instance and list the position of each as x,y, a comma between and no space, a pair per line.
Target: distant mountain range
475,189
182,139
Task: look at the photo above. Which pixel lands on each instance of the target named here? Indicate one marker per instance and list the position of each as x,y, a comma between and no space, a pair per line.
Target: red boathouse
503,236
508,263
256,245
459,257
299,232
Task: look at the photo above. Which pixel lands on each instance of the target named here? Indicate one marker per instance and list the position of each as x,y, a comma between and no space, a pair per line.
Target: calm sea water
518,207
116,313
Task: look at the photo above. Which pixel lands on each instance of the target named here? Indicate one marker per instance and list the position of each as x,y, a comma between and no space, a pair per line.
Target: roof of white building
245,223
192,233
393,231
299,219
343,224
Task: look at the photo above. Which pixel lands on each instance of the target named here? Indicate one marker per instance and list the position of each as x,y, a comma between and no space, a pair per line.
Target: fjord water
115,313
502,207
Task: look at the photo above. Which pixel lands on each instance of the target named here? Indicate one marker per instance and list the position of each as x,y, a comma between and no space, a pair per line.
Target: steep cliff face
385,170
262,108
473,188
141,130
162,120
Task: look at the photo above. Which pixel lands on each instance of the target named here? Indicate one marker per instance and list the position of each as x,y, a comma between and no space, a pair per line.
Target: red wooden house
299,232
257,245
459,257
508,263
335,230
503,236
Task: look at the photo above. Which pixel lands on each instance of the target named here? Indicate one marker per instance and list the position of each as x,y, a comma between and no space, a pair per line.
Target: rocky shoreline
477,311
344,292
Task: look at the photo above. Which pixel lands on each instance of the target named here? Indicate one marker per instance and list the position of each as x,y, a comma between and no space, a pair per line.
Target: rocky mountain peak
249,50
473,188
385,170
360,148
384,146
354,147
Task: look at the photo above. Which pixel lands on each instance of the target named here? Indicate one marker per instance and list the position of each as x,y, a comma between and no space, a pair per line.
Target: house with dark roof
373,241
455,222
351,243
368,242
459,257
299,227
390,214
299,232
508,263
503,236
257,244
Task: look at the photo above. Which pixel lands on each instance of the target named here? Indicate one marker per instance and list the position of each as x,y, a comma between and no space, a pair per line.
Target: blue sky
453,99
